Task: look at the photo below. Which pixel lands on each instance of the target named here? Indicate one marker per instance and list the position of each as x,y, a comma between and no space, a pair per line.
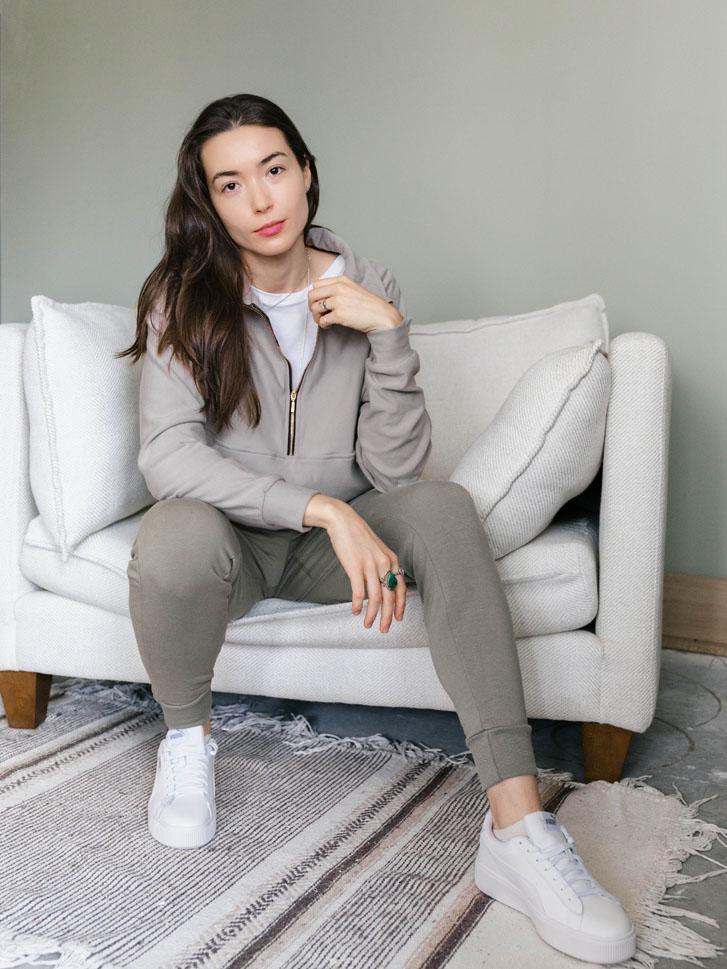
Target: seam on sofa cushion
84,558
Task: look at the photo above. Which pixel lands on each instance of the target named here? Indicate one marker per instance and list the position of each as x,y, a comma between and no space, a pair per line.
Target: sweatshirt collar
357,267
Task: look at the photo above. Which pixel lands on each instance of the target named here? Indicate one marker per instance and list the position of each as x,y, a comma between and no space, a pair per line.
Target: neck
284,273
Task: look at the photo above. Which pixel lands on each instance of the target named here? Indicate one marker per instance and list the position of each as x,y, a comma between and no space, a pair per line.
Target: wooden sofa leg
604,751
25,697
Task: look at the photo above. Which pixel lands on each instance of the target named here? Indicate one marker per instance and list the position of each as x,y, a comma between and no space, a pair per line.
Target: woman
284,436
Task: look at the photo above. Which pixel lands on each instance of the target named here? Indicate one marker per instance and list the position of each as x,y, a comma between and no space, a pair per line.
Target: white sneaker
181,808
544,877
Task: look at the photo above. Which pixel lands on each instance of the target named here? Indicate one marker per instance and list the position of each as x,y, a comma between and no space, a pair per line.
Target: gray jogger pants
193,570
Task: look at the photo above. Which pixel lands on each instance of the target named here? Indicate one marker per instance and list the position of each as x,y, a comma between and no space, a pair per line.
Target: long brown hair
197,286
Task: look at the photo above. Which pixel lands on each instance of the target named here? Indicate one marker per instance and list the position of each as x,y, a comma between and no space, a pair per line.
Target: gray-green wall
499,155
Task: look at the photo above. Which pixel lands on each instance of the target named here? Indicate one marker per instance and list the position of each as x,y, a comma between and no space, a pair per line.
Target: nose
259,197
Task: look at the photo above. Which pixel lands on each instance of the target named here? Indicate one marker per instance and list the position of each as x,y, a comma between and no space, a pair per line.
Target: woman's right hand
365,558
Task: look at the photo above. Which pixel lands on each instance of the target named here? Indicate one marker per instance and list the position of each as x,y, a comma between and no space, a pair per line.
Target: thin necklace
286,295
306,311
305,328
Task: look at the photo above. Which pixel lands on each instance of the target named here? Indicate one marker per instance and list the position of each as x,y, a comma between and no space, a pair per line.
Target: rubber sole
178,837
587,947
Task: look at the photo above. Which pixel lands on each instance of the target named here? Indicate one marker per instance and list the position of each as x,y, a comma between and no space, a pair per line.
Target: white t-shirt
288,319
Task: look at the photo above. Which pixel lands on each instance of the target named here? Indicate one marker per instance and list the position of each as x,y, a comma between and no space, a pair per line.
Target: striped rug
329,851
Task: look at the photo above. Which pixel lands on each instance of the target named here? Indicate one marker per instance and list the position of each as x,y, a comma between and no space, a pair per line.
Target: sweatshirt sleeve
177,462
394,433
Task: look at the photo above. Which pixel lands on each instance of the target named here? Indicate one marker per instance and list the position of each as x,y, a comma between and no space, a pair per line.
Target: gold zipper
293,393
291,422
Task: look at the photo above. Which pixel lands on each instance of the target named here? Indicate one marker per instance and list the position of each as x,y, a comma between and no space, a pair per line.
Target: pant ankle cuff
502,752
179,715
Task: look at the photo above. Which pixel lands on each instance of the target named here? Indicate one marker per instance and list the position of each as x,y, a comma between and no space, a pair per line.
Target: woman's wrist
321,510
393,318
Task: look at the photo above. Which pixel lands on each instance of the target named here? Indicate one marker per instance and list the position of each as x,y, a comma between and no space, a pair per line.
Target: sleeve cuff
392,338
284,504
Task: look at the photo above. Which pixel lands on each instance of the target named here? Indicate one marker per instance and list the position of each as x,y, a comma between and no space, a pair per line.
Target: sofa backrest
468,367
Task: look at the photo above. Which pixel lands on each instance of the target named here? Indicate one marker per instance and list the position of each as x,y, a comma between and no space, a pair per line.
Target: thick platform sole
587,947
179,837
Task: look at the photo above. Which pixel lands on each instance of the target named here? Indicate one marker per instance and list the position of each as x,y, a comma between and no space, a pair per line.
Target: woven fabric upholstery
17,507
633,527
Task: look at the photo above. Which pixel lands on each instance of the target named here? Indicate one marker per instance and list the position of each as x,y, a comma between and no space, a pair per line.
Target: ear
307,177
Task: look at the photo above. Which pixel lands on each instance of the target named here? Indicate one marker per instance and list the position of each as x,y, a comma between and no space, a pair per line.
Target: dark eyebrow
264,161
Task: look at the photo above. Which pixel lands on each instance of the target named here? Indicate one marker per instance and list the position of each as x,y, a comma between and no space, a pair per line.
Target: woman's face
254,179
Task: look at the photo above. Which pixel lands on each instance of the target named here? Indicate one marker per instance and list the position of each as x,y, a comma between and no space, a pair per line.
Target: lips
271,228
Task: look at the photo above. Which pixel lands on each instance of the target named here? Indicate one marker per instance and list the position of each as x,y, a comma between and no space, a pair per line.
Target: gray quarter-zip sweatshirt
356,420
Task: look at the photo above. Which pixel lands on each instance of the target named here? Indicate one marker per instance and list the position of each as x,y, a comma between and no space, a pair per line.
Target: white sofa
585,593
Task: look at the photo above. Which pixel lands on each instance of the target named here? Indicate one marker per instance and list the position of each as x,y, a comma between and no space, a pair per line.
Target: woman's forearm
321,510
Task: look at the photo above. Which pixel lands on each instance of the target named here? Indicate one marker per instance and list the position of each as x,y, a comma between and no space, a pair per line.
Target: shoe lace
189,768
567,862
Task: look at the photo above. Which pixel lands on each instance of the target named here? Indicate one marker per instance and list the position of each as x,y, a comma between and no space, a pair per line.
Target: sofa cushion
543,446
83,406
468,367
550,586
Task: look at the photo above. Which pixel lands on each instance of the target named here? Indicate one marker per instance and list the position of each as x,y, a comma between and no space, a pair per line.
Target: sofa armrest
632,528
17,507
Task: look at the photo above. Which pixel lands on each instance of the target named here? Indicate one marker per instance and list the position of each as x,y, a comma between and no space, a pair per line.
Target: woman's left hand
349,304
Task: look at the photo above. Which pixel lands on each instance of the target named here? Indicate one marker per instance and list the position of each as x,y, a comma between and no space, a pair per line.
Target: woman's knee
181,539
428,500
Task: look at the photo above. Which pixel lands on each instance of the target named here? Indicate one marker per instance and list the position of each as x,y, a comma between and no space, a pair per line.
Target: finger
400,593
321,315
358,594
373,586
325,311
387,605
395,602
328,284
321,288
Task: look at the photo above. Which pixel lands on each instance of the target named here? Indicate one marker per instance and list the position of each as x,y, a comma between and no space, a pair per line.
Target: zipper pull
293,395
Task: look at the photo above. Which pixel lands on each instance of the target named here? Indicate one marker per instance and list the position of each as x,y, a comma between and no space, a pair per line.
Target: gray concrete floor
685,746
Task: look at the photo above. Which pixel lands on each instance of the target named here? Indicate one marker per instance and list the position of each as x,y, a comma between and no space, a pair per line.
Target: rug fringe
658,933
112,692
298,734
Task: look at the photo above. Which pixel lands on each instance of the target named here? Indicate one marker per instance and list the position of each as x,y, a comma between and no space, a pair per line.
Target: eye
224,187
278,167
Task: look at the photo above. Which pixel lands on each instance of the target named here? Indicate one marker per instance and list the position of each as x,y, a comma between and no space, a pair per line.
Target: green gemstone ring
390,578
